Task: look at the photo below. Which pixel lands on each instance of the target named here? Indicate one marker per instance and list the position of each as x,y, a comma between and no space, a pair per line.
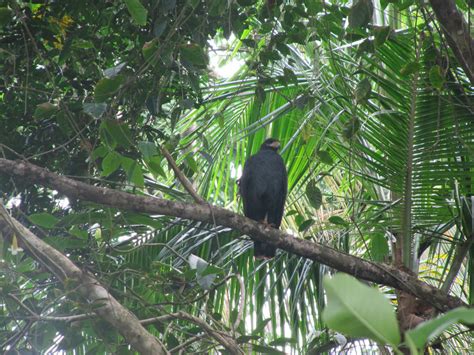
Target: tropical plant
144,142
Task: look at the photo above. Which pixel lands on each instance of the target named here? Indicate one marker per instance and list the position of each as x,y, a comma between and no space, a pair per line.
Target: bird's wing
278,195
251,188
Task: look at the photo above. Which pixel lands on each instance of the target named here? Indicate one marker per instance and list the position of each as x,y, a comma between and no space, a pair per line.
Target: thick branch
457,34
107,306
363,269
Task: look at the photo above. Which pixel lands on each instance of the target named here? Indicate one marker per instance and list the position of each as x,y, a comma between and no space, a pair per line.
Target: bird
263,187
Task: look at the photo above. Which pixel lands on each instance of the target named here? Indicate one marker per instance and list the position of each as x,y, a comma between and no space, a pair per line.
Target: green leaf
363,91
43,219
194,54
359,311
246,338
325,157
429,330
361,13
115,133
111,163
96,110
155,166
378,247
107,87
290,76
138,12
5,16
191,163
148,149
305,225
45,110
367,46
351,127
338,221
263,349
402,4
149,51
100,152
381,35
410,68
261,326
134,171
314,194
436,77
283,341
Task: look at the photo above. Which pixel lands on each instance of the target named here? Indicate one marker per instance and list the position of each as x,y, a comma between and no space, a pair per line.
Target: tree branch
457,34
375,272
105,305
181,177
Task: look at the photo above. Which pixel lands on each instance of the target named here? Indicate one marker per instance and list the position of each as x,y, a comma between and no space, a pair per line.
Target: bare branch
107,306
363,269
457,34
181,177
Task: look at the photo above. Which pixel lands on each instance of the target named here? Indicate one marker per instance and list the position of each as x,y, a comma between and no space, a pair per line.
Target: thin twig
181,177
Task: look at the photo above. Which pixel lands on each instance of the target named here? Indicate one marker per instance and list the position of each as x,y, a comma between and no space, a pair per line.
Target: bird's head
271,143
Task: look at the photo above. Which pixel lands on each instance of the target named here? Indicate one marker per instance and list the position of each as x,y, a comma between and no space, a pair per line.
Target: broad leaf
138,12
314,194
358,310
429,330
44,220
108,87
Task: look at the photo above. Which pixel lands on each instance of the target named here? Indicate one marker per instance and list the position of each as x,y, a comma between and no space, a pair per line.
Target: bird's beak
275,145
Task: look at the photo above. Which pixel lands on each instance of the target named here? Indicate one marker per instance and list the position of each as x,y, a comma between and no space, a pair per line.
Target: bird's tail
263,250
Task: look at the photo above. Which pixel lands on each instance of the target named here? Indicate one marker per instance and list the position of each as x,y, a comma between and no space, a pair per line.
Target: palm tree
376,125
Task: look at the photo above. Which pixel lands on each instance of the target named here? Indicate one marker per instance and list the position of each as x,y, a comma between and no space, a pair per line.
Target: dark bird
263,187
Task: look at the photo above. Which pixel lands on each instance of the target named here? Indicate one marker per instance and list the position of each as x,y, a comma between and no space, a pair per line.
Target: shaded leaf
381,35
138,12
134,171
43,219
96,110
45,110
246,338
111,163
351,127
361,13
436,77
283,341
261,326
337,221
149,51
107,87
194,54
5,16
378,247
314,194
305,225
363,91
148,149
410,68
263,349
325,157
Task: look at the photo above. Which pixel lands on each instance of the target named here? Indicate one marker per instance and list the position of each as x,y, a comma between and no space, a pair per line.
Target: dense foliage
375,116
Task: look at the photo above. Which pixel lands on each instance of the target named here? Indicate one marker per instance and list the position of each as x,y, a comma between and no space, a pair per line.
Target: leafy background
375,121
